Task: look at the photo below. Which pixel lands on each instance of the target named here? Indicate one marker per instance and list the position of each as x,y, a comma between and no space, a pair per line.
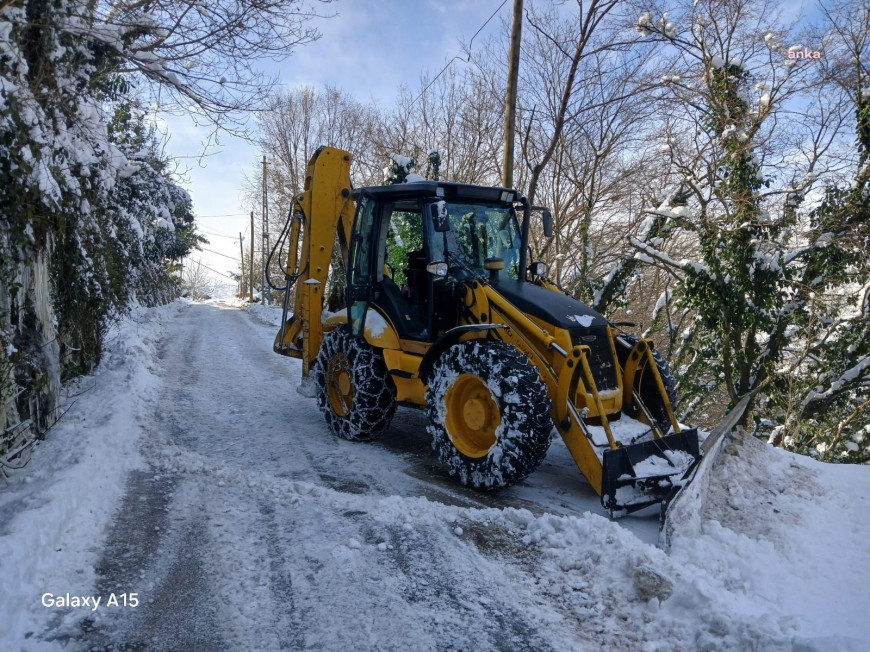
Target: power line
444,69
222,215
219,254
222,235
199,262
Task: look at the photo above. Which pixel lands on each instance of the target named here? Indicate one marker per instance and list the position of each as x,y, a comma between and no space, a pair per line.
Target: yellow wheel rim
472,416
339,384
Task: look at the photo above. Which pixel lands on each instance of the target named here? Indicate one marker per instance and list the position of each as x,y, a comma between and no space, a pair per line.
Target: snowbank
55,512
371,551
782,540
270,315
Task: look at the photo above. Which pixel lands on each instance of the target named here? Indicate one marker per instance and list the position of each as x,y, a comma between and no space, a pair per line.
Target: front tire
355,393
489,414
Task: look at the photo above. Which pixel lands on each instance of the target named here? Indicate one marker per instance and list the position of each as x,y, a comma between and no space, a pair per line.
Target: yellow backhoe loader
445,313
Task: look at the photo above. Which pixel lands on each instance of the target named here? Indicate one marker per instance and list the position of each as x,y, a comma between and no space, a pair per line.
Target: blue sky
369,49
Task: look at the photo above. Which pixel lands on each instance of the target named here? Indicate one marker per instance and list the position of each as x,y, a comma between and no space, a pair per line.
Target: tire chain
523,436
374,395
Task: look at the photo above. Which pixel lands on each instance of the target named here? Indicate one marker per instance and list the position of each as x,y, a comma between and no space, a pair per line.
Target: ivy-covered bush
90,219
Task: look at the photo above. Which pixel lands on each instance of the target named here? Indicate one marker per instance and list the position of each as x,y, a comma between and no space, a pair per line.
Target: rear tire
489,414
648,390
355,392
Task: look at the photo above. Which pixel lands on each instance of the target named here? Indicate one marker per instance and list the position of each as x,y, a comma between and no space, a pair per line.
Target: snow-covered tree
824,408
89,216
750,307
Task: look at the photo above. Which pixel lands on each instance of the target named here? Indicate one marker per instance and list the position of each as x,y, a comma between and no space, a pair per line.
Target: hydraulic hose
279,244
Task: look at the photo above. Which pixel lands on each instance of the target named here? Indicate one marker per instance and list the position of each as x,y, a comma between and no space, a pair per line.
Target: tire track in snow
247,562
151,554
281,581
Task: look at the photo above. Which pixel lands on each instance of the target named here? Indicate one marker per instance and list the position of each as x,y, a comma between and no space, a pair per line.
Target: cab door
363,250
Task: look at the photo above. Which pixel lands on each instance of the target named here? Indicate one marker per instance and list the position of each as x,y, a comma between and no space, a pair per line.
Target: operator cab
411,244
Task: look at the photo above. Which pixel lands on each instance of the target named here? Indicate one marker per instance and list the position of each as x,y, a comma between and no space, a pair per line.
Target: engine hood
553,307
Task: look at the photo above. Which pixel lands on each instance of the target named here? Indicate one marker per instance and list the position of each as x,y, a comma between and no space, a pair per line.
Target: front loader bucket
643,474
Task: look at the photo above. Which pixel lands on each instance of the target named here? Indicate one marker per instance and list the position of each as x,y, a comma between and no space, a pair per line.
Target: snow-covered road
231,447
207,486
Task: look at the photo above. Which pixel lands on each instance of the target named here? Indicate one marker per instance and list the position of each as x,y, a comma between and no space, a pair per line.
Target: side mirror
439,215
548,222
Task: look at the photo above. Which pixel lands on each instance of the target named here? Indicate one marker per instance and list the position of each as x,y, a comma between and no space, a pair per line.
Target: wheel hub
344,382
472,416
474,413
339,385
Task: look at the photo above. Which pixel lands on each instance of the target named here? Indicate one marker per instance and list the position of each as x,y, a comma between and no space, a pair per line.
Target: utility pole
242,292
251,275
267,295
510,103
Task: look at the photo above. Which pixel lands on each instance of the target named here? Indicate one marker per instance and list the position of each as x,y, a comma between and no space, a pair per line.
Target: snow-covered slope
193,474
55,512
783,539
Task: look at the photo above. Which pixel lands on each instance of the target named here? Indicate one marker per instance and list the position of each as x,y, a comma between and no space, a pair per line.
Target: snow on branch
649,254
202,53
846,380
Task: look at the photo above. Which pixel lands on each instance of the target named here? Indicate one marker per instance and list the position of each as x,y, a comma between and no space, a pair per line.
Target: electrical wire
221,235
217,253
444,69
199,262
279,244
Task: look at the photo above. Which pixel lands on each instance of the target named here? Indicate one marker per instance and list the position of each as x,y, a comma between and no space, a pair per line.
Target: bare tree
457,114
201,56
589,32
196,282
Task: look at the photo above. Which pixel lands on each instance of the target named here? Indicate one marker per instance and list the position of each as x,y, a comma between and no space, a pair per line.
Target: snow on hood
583,320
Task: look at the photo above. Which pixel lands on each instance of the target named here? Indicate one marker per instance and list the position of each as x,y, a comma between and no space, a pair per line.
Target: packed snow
375,324
187,471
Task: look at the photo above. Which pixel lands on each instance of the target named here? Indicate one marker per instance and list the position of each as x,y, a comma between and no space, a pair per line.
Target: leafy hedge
90,219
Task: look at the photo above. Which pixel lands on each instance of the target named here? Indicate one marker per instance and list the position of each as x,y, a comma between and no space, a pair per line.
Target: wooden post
242,292
251,279
265,293
510,104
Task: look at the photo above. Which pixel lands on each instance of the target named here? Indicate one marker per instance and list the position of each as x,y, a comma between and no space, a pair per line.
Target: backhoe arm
321,212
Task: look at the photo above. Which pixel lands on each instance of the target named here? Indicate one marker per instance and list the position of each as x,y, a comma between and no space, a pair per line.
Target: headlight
438,269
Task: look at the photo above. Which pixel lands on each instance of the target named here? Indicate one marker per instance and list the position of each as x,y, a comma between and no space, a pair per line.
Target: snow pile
375,323
275,534
782,539
270,315
76,476
583,320
721,589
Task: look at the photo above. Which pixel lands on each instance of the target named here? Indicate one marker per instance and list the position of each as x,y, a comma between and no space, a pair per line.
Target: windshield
478,232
